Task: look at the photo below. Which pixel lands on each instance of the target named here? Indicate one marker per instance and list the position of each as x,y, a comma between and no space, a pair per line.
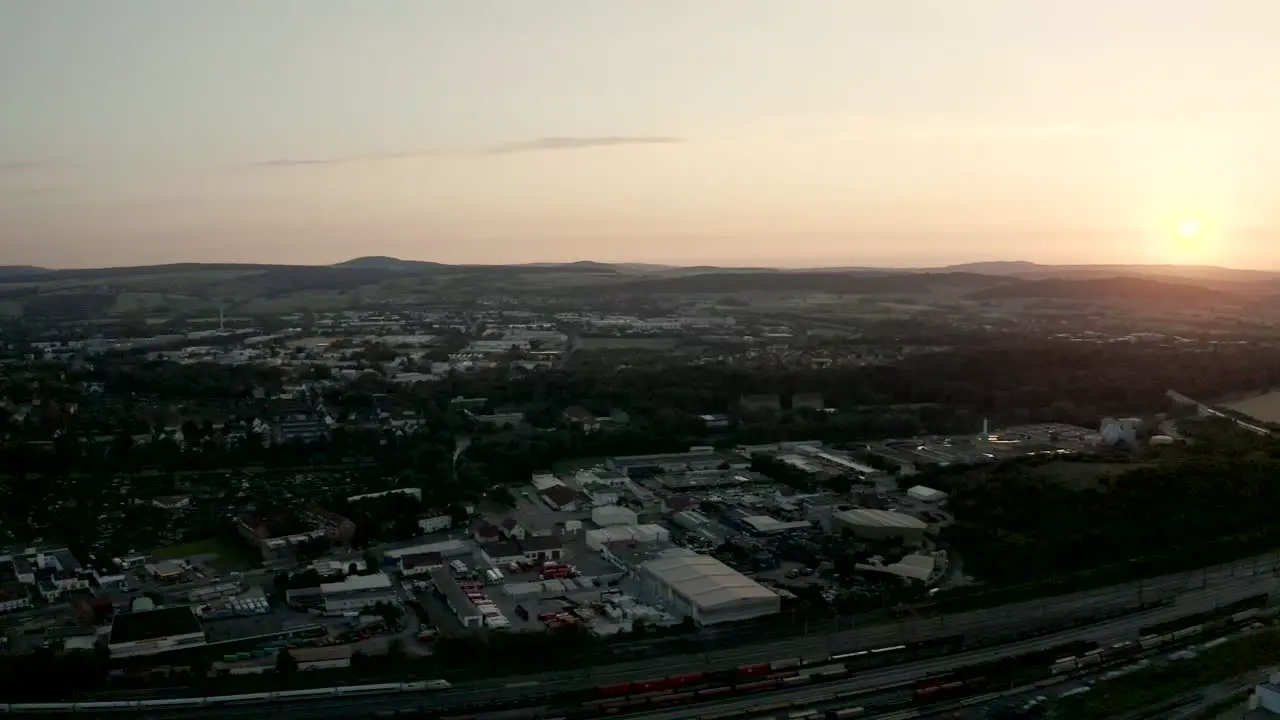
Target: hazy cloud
16,165
580,143
373,157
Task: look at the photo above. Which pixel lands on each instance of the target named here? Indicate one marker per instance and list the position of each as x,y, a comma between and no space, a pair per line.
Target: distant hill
1217,276
1105,289
382,262
725,282
11,271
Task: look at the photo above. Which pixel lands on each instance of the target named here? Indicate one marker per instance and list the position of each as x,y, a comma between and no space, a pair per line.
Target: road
1197,592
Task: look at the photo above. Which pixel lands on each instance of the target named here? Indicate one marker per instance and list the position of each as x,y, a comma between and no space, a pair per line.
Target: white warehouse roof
356,583
866,517
706,582
926,494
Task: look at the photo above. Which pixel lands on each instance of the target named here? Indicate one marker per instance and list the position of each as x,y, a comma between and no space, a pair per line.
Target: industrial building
607,515
154,631
641,534
911,567
456,599
707,590
766,525
868,524
708,459
420,563
927,494
357,592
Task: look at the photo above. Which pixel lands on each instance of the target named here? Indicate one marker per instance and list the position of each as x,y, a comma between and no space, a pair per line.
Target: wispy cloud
19,165
372,157
580,143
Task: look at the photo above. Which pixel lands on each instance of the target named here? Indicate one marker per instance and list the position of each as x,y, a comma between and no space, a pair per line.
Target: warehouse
357,592
867,524
642,534
154,631
927,494
707,590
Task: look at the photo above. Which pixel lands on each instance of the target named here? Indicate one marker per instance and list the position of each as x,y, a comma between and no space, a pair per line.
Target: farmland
1264,407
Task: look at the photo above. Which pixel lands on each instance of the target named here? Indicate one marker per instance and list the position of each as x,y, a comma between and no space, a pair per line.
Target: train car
693,678
1244,615
786,664
1188,632
237,699
753,670
714,691
846,713
796,680
826,672
644,686
41,707
1064,665
675,698
367,689
615,689
809,714
108,705
756,686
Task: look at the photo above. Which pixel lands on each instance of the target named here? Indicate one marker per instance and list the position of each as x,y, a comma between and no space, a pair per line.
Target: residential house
561,498
336,527
502,554
420,563
435,523
512,529
578,415
484,532
300,427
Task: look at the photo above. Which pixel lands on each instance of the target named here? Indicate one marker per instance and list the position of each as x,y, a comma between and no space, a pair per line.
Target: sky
747,132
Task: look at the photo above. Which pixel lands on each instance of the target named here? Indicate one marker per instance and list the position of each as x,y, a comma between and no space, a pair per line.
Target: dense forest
1022,521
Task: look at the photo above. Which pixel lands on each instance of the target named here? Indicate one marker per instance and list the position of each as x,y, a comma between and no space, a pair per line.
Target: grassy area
230,556
1154,685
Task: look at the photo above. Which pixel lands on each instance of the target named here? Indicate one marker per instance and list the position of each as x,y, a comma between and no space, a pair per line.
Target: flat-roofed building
870,524
708,590
674,462
357,592
461,605
154,631
420,563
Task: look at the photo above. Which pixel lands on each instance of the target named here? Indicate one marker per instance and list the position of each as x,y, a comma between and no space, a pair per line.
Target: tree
286,663
395,652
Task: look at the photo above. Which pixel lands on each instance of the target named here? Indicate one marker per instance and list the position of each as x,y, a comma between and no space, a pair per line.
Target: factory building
357,592
639,534
707,590
927,494
867,524
153,631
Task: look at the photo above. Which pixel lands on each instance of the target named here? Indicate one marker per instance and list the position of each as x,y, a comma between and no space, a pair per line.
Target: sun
1190,228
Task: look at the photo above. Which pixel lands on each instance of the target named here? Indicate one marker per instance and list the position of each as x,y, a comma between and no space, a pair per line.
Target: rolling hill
1107,289
720,283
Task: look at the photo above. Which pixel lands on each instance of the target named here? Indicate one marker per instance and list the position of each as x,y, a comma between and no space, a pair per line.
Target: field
223,555
627,343
1264,408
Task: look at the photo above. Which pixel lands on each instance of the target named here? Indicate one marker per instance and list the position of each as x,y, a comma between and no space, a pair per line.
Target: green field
231,556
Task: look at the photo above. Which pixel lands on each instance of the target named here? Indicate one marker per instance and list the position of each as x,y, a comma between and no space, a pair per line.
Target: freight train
92,708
